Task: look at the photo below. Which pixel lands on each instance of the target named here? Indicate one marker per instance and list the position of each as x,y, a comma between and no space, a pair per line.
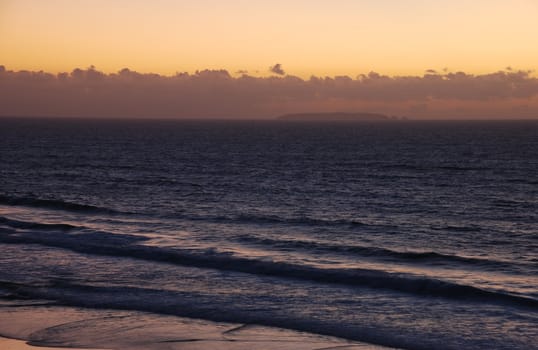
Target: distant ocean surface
408,234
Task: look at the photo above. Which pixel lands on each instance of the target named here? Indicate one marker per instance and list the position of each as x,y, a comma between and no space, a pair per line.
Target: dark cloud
277,69
215,93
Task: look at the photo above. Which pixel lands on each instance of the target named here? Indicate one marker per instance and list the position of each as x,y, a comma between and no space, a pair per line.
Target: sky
267,39
309,37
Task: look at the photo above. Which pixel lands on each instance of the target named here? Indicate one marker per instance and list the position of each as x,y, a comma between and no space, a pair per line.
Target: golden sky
308,37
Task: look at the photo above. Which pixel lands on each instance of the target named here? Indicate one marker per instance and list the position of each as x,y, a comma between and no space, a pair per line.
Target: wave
55,204
508,203
35,225
103,243
456,228
523,181
296,220
274,219
416,167
461,168
368,251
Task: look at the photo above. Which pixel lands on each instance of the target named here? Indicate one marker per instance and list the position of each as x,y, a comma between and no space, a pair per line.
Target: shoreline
46,327
18,344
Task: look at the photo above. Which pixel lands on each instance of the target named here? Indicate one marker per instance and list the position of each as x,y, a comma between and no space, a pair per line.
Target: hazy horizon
505,94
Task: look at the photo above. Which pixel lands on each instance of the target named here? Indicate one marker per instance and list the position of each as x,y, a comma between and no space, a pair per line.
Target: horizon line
269,73
391,119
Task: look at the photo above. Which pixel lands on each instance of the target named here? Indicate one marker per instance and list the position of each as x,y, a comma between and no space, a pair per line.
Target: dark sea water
416,235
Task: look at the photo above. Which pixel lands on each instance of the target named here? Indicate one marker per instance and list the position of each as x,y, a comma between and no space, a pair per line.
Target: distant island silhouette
334,116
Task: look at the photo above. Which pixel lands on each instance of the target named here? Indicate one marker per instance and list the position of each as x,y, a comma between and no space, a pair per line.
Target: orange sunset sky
491,42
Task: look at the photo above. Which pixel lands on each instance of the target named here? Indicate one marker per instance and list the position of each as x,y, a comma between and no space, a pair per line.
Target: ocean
405,234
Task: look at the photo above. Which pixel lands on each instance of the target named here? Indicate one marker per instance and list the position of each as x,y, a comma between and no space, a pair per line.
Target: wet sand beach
52,327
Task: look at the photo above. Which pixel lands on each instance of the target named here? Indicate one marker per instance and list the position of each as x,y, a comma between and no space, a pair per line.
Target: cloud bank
217,94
